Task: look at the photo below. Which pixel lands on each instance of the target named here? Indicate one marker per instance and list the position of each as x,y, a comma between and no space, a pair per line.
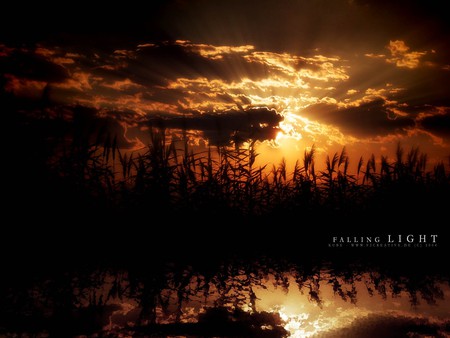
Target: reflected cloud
261,298
391,325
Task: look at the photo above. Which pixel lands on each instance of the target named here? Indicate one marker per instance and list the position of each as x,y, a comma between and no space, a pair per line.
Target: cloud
31,66
236,67
181,75
214,52
172,60
180,57
221,128
317,67
81,81
371,118
98,127
375,56
401,55
387,326
177,77
24,88
122,85
438,123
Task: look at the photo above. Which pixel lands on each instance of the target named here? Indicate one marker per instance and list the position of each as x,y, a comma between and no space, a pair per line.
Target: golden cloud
122,85
57,56
292,84
401,56
24,87
81,81
318,67
45,52
212,51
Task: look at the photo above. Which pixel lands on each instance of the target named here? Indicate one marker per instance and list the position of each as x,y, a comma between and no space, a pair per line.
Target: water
264,297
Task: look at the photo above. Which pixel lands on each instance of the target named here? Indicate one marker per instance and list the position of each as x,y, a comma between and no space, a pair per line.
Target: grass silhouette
165,178
166,225
81,161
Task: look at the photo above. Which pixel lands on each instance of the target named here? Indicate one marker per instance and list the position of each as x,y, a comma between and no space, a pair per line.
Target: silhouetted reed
168,177
89,181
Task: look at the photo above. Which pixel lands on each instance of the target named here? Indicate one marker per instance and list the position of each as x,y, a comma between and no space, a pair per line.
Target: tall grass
170,176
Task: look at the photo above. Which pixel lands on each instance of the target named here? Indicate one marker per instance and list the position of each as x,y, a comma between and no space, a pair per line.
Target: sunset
360,74
181,165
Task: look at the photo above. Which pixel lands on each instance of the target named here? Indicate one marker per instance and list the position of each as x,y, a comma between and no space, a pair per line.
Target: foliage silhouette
84,186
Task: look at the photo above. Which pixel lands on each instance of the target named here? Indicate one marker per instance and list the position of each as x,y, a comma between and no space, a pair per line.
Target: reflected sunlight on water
339,310
322,306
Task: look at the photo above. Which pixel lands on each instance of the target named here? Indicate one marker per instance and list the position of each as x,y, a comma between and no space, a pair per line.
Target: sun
290,126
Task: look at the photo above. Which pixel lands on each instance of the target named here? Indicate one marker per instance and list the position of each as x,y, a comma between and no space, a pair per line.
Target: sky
363,74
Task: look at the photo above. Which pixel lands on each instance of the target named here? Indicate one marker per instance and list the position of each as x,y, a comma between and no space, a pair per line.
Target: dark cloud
437,124
369,119
28,65
155,65
89,126
375,326
155,46
171,60
223,127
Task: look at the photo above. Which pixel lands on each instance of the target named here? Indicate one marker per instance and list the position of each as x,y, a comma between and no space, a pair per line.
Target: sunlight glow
310,91
295,324
290,127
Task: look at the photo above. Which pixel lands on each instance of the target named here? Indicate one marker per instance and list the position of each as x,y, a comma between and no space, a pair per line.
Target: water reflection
264,298
339,315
